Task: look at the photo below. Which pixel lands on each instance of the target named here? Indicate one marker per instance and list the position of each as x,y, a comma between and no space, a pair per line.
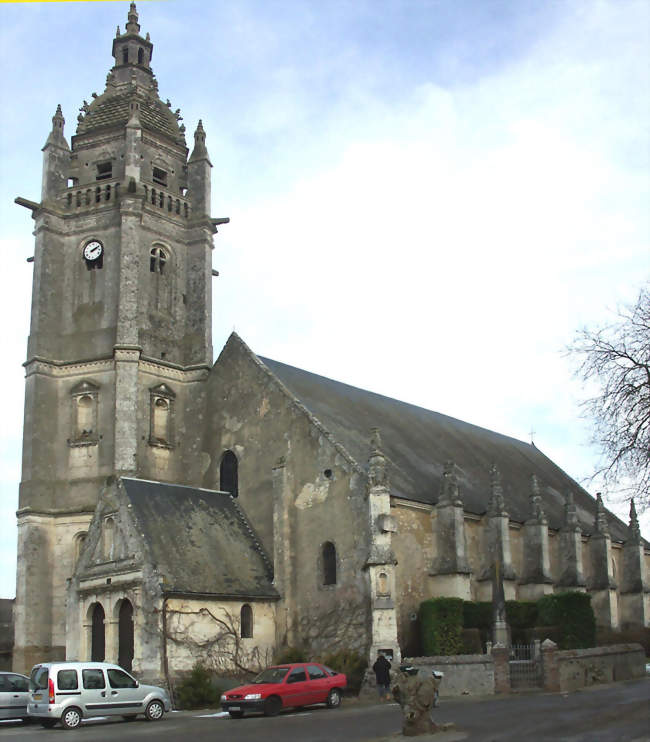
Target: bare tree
617,358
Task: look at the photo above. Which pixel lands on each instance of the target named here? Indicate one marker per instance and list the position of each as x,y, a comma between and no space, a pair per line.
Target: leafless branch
617,358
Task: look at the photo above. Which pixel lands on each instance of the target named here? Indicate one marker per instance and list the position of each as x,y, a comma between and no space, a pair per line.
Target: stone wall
579,668
6,632
466,674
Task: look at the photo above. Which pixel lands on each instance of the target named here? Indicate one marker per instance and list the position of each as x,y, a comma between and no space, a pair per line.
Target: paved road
615,713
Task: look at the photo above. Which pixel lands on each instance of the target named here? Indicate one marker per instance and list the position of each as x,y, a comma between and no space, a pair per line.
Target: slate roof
418,442
112,109
199,540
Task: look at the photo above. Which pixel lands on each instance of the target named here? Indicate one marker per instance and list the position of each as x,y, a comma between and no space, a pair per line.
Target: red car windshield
271,675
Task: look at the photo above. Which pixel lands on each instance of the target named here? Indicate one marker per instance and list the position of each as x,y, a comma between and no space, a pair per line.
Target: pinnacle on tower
496,505
635,531
570,512
537,511
133,26
200,151
376,461
56,134
449,491
600,523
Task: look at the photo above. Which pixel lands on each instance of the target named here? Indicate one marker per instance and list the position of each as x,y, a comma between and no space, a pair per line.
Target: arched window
161,416
140,56
98,637
125,635
329,563
125,55
382,584
157,259
246,622
79,543
228,475
84,399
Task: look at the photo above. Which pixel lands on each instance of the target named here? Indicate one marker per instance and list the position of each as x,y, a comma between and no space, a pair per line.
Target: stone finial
117,32
133,26
570,513
600,522
496,505
376,461
536,506
200,151
56,135
634,530
148,37
449,491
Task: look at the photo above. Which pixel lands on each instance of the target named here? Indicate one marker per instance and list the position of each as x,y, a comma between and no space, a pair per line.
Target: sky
428,198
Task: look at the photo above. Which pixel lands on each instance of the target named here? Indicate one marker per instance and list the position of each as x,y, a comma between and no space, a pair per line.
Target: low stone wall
578,668
465,674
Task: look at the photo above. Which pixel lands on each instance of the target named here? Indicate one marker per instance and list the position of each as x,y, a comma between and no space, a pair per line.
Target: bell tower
120,337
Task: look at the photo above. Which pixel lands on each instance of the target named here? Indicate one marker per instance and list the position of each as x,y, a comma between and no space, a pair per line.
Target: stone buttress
635,591
602,586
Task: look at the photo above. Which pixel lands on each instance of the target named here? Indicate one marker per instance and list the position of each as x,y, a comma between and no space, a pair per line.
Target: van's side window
119,679
93,679
67,680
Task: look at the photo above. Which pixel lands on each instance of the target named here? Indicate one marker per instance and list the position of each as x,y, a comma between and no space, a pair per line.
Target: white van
71,691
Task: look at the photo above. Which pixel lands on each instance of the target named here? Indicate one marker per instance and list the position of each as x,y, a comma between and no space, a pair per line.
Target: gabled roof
418,442
199,540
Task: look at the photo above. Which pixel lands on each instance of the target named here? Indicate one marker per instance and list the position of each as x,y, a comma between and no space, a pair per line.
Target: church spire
133,26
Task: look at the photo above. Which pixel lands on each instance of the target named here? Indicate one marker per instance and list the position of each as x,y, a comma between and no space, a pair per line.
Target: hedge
441,626
573,614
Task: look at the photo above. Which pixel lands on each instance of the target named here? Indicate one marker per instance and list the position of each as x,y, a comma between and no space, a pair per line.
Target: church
173,508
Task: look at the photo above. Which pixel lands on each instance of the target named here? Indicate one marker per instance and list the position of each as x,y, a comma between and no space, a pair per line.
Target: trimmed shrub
287,655
196,690
521,614
477,615
573,614
441,626
472,642
349,662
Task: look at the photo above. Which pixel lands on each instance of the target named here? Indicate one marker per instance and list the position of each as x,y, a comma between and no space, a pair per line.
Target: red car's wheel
334,698
272,706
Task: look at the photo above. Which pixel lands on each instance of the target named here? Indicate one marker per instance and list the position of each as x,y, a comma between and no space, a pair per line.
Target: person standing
382,675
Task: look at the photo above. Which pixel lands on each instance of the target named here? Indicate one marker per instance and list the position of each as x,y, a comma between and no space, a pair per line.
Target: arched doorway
125,636
98,637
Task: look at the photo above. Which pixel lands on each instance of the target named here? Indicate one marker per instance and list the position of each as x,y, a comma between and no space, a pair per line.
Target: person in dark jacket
382,674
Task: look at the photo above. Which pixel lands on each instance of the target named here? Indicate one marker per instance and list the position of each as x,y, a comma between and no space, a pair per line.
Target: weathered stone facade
352,529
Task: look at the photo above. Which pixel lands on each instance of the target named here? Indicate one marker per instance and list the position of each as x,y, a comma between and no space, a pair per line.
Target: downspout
164,650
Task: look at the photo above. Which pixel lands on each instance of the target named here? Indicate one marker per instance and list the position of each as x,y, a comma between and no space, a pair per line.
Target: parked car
71,691
14,695
284,686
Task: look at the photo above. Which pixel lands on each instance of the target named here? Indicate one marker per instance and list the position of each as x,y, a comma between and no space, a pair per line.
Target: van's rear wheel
154,711
71,718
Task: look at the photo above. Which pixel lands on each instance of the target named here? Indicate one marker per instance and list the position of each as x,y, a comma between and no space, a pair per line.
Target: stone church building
172,507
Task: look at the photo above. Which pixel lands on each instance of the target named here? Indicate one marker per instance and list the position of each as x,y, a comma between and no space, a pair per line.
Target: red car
284,686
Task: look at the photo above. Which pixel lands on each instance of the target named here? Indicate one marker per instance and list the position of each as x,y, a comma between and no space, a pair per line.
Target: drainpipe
164,650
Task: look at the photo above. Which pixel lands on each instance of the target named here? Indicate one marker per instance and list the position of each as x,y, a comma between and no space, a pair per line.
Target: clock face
93,250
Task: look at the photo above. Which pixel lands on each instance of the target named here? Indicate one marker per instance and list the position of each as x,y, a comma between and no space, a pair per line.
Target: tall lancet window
228,474
160,267
329,563
161,416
